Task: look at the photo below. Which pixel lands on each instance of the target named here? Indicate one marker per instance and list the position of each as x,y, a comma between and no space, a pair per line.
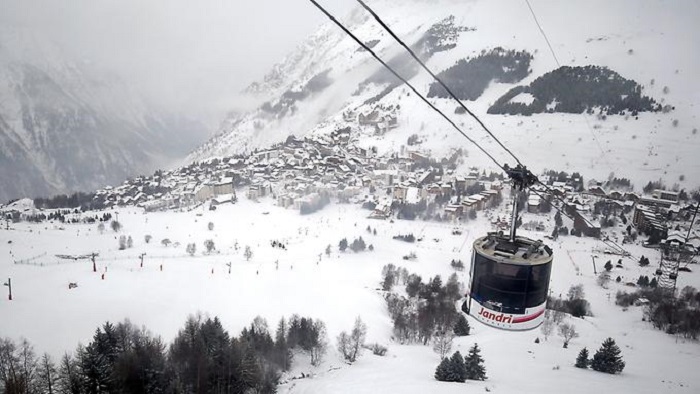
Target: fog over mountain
93,92
193,56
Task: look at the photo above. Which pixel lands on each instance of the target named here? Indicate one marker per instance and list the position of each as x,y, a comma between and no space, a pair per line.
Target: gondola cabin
509,282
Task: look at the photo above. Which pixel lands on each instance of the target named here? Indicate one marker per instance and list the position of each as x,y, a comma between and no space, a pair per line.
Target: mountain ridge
621,48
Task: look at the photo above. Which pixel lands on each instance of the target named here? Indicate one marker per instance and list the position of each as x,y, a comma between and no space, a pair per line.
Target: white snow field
651,42
336,290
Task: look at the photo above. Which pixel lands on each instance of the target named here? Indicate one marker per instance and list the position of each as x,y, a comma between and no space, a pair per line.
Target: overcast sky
196,53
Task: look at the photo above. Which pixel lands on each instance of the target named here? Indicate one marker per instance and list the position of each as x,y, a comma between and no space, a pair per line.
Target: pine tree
443,369
582,359
607,358
608,266
462,327
475,364
653,283
458,368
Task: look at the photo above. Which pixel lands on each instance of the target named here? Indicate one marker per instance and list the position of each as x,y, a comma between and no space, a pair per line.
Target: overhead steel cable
435,77
505,168
565,203
556,60
554,55
415,91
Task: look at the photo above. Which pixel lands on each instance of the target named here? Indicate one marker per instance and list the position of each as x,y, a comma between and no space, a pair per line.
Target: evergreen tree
607,358
442,371
458,368
462,327
582,359
283,355
69,377
653,283
608,266
475,364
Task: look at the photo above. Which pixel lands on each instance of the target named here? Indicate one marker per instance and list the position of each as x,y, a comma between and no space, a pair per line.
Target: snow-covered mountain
65,127
645,46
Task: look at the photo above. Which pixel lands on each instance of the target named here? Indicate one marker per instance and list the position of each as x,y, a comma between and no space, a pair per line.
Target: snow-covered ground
334,289
646,41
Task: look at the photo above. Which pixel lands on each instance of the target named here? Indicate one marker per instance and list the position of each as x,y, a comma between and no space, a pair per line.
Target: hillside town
306,174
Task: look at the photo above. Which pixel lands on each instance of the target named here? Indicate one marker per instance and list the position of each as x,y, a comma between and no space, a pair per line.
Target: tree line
203,358
427,312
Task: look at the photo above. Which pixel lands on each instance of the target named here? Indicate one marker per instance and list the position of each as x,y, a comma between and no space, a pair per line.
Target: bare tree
209,245
558,316
17,367
344,346
248,253
568,332
191,249
547,328
442,343
350,345
69,375
320,346
576,292
47,375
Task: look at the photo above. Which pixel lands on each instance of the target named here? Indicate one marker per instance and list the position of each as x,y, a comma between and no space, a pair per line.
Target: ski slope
334,289
651,42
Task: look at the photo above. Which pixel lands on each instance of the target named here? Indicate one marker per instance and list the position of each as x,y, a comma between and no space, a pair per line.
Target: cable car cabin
509,282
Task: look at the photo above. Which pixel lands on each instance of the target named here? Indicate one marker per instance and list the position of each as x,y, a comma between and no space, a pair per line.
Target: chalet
203,192
533,204
371,119
615,195
477,200
399,193
224,186
630,196
425,178
597,190
656,202
381,211
446,188
453,212
665,195
586,227
460,183
434,189
415,195
256,191
223,199
417,156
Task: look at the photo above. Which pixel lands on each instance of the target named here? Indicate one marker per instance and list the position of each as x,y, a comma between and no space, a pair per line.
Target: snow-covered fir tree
608,358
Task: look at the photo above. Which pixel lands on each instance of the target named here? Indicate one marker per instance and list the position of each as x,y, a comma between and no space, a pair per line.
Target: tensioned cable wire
435,77
454,125
556,60
415,91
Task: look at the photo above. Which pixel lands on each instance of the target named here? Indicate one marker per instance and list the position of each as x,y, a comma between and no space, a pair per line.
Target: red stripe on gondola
528,318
